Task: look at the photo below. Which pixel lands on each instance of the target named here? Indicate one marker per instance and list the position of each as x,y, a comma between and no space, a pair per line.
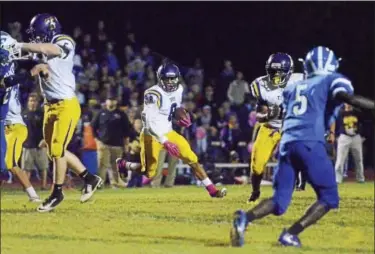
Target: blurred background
217,46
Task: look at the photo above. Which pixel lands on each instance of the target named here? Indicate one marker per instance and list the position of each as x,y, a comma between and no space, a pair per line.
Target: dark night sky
245,32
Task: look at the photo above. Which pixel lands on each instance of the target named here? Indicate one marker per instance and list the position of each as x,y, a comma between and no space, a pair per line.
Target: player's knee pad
330,197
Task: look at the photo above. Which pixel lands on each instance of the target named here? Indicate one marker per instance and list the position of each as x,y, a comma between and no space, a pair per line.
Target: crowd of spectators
222,109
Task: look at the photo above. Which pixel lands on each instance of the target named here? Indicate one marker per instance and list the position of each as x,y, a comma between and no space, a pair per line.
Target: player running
268,92
161,102
12,128
309,104
61,108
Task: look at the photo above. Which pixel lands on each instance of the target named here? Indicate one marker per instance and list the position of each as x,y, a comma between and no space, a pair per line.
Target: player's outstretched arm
47,49
355,100
21,78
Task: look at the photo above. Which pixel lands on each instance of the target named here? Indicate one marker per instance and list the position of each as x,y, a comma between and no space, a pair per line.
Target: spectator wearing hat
111,129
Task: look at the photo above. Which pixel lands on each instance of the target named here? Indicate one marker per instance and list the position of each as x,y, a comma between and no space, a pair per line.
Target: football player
160,104
13,131
61,108
268,92
308,104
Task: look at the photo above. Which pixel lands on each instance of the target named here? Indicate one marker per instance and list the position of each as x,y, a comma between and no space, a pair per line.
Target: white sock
206,182
31,192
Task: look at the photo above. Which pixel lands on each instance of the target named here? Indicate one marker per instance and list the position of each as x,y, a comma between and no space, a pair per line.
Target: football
180,113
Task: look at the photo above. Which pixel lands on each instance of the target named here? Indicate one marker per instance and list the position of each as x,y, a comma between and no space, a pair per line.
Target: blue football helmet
168,77
320,61
43,27
279,68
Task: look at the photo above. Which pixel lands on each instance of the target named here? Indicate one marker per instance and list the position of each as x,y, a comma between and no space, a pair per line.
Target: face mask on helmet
278,77
9,44
169,84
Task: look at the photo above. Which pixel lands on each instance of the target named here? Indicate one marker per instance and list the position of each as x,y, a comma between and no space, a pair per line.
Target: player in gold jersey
61,108
268,91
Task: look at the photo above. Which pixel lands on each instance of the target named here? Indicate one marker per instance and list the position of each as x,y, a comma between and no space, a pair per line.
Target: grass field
179,220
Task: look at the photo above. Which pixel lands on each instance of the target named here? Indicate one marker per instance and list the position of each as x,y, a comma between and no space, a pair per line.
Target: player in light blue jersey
9,86
308,104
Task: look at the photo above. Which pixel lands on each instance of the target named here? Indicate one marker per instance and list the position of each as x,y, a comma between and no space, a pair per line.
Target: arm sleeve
20,78
255,90
340,84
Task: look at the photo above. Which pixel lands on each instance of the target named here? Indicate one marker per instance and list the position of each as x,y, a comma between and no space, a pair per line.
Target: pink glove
172,149
184,122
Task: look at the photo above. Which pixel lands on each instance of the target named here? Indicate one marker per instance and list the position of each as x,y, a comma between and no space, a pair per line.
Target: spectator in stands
195,75
147,57
78,36
244,113
237,91
226,77
150,77
15,31
111,130
130,40
101,35
111,59
220,121
34,154
208,98
128,53
80,95
137,71
231,134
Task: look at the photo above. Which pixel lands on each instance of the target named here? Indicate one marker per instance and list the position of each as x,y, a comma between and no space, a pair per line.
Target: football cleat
50,203
253,199
220,193
237,233
287,239
89,188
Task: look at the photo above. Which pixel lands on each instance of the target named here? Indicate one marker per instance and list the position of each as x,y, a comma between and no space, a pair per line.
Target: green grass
179,220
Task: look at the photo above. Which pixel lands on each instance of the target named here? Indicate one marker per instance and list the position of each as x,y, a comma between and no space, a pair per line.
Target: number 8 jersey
158,111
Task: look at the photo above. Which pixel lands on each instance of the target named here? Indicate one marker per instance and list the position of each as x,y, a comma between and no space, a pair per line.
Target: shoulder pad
152,96
255,87
61,37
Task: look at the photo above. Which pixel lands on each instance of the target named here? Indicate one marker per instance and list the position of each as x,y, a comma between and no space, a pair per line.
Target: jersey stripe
255,89
157,94
65,37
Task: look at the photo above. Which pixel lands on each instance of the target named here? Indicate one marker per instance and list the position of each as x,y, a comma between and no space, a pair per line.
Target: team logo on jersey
173,99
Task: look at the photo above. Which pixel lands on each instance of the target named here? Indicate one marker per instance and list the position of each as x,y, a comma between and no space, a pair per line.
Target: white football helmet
9,44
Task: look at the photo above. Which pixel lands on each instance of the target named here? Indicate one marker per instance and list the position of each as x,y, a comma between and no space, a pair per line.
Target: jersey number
171,111
6,96
301,107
